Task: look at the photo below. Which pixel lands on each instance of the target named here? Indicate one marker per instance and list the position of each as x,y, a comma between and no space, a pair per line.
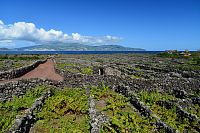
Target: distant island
75,47
4,49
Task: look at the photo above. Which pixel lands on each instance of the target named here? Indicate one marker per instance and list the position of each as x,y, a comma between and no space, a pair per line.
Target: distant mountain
4,49
77,47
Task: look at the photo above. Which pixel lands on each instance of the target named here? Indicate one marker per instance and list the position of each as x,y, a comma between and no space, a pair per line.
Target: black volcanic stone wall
73,80
22,124
183,73
19,88
15,73
167,85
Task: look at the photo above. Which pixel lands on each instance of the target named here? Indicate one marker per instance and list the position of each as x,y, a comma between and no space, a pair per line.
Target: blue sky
148,24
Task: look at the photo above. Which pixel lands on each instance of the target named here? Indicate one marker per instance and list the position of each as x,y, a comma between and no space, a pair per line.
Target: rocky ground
8,62
111,93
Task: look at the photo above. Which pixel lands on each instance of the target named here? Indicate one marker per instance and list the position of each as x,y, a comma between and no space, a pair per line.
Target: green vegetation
75,68
196,61
65,111
134,76
68,67
191,60
174,54
17,65
79,47
118,109
1,65
63,65
187,67
14,64
99,60
137,75
87,70
72,70
137,68
193,109
15,61
167,115
151,97
17,106
21,57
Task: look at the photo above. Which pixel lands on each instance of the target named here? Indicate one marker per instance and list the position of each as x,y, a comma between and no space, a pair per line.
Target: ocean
77,52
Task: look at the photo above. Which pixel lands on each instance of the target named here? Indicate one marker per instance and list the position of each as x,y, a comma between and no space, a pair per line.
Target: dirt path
43,71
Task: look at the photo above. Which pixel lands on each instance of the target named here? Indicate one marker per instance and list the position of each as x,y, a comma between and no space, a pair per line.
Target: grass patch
151,97
118,109
190,63
65,111
74,68
87,70
21,57
169,55
137,75
68,67
167,115
1,64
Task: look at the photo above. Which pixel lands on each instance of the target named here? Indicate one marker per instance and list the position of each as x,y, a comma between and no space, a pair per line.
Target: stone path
43,71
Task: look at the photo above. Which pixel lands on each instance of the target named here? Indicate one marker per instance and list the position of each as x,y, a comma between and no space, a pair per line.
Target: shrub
69,107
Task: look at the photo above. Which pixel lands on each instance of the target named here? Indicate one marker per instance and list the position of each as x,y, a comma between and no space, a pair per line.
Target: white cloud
1,22
76,36
29,32
6,41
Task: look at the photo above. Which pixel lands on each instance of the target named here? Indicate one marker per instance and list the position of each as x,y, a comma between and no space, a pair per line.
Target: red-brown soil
43,71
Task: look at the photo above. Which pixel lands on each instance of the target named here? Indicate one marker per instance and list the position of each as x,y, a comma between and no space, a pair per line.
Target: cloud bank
29,32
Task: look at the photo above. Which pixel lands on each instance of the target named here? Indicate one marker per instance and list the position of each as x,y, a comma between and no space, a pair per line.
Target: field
115,93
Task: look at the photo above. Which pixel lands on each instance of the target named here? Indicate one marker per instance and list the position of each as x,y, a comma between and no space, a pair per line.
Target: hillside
3,49
79,47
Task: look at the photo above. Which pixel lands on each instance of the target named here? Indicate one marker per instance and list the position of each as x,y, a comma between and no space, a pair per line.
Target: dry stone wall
15,73
23,123
19,88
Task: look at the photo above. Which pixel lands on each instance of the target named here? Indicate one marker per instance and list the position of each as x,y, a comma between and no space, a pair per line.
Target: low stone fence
19,88
143,109
183,73
23,123
167,85
97,119
15,73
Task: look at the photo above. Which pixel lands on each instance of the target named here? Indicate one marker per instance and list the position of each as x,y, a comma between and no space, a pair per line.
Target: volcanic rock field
107,93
